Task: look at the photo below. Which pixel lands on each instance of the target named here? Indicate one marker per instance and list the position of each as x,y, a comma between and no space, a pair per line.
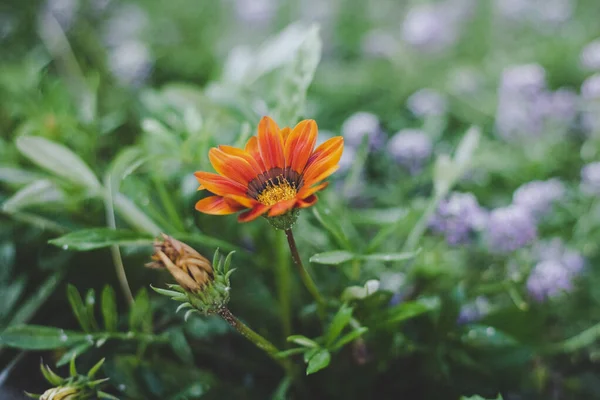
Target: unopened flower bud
200,287
189,268
60,393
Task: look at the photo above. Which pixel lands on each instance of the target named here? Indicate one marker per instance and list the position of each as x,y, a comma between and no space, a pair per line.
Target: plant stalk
304,275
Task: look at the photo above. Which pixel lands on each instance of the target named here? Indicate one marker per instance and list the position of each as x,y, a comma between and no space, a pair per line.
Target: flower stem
252,336
304,275
283,276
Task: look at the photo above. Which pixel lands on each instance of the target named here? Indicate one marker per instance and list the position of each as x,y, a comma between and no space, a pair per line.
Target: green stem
254,337
421,226
304,275
579,341
283,277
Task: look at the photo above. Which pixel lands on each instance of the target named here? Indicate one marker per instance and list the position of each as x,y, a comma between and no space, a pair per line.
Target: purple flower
458,218
590,56
523,79
590,88
359,125
555,250
474,310
426,28
410,148
548,279
537,197
509,229
590,178
426,103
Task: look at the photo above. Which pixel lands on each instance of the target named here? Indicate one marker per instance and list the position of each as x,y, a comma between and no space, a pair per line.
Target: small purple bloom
458,217
590,88
426,103
590,178
590,56
509,229
410,148
556,250
426,28
537,197
359,125
523,79
548,279
474,311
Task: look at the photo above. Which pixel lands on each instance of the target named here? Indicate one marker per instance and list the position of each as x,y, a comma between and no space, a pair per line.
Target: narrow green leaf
36,299
290,352
106,396
96,238
409,310
339,322
180,346
79,309
308,354
319,361
72,367
92,372
374,216
332,257
17,176
302,341
10,295
90,304
34,337
324,216
40,192
140,316
57,159
73,352
390,256
109,309
487,336
51,376
349,337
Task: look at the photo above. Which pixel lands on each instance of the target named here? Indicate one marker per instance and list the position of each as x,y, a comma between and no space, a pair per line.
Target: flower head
202,286
359,125
277,173
410,148
548,279
590,178
60,393
427,102
190,269
590,56
474,310
538,196
509,229
458,217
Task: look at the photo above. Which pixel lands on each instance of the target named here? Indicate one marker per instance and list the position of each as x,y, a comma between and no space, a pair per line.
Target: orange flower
279,171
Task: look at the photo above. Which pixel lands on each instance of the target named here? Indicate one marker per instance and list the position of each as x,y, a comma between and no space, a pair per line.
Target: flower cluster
537,197
510,228
410,148
555,271
458,217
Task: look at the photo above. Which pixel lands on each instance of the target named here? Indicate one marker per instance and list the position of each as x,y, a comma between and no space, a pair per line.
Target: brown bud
60,393
190,269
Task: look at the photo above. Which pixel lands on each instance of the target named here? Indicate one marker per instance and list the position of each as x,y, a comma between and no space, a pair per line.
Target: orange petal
308,191
270,143
325,157
285,133
282,207
231,167
307,202
258,168
216,205
218,184
299,145
319,174
256,212
245,201
254,151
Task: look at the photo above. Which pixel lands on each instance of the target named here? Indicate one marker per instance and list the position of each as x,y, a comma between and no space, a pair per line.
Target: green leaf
96,238
90,303
339,322
36,299
140,316
487,337
290,352
17,176
373,216
349,337
408,310
109,309
135,217
40,192
79,308
35,337
180,346
73,352
480,398
390,256
57,159
330,223
302,341
10,296
360,292
466,148
332,257
319,361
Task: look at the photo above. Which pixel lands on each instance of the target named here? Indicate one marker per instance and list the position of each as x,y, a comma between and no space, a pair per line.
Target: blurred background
140,90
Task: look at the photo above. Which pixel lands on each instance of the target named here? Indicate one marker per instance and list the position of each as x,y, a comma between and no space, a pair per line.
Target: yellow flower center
276,192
